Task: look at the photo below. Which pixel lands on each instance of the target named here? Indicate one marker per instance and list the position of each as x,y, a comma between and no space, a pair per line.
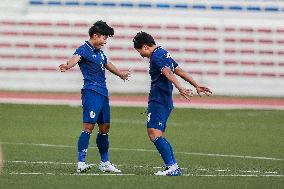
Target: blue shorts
157,116
95,107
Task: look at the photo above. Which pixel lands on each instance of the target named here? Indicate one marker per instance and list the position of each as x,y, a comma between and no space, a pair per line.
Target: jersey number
148,117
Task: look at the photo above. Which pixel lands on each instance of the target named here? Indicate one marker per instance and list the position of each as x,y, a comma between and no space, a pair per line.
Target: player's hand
63,67
186,93
125,75
202,89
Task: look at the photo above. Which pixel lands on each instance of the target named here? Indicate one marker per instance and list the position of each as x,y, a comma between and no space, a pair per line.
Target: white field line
124,103
148,150
271,172
40,162
67,174
250,171
232,175
95,174
267,173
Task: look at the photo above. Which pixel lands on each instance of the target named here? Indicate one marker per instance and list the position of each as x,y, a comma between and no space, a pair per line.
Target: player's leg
83,143
102,139
156,125
91,107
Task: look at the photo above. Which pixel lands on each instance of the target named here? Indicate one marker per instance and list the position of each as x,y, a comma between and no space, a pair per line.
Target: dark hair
143,38
102,28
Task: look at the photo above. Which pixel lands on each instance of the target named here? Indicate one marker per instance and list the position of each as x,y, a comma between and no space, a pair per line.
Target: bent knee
154,133
152,137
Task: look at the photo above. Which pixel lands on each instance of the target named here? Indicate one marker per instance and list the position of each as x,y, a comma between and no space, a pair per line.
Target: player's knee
104,128
153,133
152,136
88,127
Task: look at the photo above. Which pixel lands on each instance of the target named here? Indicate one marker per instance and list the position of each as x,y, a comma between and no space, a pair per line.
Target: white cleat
83,167
173,170
108,167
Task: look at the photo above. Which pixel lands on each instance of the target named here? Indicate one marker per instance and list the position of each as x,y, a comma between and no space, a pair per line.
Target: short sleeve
165,61
105,58
174,63
161,63
80,52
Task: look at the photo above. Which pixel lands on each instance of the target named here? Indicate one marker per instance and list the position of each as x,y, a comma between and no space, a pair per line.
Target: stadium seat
246,29
246,40
154,26
230,51
22,45
248,63
191,27
5,45
212,73
266,63
230,62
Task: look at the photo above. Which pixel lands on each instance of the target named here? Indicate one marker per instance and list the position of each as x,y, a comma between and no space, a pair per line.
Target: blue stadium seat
160,5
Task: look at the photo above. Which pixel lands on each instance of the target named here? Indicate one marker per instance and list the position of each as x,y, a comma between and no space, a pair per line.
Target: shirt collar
154,51
91,46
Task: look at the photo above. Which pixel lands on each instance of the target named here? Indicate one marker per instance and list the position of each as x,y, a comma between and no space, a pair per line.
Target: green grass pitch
215,148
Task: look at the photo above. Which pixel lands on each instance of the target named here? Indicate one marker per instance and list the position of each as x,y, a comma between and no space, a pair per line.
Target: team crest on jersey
92,114
168,55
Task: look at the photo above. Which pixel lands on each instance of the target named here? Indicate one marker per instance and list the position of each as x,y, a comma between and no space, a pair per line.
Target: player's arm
113,69
199,88
186,93
70,63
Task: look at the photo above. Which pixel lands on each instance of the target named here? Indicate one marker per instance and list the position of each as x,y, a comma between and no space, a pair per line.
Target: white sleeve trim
163,68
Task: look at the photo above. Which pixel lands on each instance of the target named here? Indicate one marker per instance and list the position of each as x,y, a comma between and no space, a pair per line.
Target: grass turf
41,140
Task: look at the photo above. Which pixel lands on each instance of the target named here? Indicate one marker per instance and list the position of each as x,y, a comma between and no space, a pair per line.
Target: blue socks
165,150
83,143
103,145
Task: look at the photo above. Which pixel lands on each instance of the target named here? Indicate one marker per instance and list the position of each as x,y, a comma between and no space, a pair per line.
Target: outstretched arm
199,88
186,93
123,75
70,63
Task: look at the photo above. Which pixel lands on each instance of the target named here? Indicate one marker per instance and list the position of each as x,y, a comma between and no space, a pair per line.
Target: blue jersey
92,64
161,87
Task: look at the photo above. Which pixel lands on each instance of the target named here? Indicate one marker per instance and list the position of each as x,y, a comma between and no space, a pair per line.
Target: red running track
141,101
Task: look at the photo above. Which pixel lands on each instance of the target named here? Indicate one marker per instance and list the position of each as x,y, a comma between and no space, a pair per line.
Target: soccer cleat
83,167
108,167
173,170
